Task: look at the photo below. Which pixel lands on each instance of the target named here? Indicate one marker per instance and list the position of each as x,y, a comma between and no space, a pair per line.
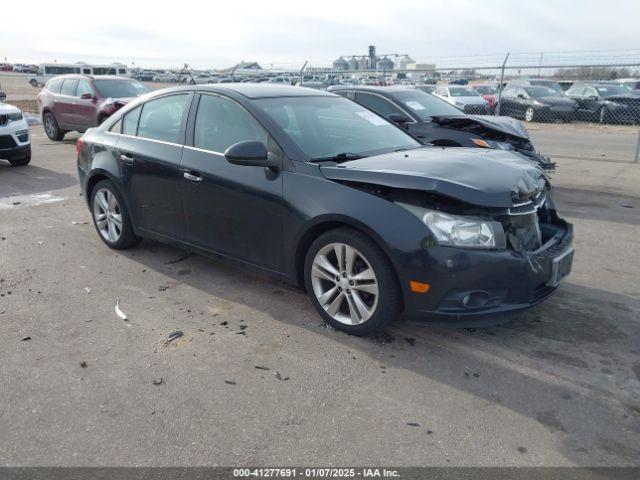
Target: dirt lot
257,379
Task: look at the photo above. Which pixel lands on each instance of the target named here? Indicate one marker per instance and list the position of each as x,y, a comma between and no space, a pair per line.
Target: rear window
54,85
130,121
112,88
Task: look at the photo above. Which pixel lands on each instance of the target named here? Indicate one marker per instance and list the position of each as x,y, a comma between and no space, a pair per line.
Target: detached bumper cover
497,282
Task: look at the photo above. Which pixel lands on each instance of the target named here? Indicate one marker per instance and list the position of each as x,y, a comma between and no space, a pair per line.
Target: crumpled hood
482,177
120,100
5,108
507,125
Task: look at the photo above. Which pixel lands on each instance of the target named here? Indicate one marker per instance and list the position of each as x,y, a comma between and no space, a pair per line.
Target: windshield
606,90
324,127
463,92
553,85
120,88
426,105
539,92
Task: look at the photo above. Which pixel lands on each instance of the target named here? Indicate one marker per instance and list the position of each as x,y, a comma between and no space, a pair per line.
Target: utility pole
501,82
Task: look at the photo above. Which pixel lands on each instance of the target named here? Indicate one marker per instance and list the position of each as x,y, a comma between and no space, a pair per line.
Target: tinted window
325,126
161,118
84,87
130,121
111,88
54,85
221,122
378,104
425,105
463,92
69,87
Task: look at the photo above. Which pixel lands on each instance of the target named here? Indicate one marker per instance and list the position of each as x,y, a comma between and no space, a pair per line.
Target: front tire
51,127
111,217
351,282
22,161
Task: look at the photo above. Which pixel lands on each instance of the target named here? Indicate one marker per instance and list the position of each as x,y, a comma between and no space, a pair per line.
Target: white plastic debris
119,312
87,289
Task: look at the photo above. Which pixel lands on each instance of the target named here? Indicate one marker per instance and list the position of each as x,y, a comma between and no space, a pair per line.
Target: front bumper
15,139
497,282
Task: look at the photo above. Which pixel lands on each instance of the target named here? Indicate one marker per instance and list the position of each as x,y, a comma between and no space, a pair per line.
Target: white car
465,98
201,78
15,141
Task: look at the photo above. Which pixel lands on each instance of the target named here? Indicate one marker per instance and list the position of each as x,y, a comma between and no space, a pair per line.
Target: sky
213,34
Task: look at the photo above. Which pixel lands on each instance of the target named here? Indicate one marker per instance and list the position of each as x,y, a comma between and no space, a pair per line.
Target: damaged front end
501,133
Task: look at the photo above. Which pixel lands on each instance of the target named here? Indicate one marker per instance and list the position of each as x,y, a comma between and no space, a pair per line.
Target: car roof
92,77
371,88
256,90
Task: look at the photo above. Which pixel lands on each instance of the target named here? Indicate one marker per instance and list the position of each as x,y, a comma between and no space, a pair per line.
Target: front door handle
191,177
126,159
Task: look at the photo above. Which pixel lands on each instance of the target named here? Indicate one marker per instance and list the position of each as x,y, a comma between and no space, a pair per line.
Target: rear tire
22,161
33,82
111,217
359,294
51,127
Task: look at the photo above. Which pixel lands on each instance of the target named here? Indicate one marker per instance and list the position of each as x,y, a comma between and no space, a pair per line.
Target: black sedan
434,121
320,192
536,103
605,103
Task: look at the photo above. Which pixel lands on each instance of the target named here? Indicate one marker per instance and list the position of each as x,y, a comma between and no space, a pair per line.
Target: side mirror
3,96
398,118
87,96
249,153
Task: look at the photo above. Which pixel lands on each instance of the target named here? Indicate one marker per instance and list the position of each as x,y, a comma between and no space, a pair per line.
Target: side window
84,87
161,118
590,92
130,121
54,85
522,93
116,127
376,103
69,87
221,122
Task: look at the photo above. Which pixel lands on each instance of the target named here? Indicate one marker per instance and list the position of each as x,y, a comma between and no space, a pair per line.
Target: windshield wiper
340,157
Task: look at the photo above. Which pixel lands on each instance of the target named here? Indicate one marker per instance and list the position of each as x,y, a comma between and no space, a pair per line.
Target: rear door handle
126,159
191,177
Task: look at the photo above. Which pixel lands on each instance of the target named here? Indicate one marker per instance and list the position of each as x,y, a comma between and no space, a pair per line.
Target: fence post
501,81
638,147
302,70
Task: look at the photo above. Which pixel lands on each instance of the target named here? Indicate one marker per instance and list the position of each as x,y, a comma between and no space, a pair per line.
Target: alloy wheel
107,215
49,126
528,114
344,283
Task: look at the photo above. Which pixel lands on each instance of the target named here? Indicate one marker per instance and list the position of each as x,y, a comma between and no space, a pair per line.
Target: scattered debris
80,223
626,205
280,377
522,449
382,338
329,327
174,335
87,289
429,432
243,327
83,364
25,339
224,324
40,242
477,375
410,340
16,203
261,367
119,312
413,424
230,382
177,260
162,288
158,382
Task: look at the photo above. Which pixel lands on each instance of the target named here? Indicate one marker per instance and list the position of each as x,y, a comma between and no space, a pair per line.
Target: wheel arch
327,223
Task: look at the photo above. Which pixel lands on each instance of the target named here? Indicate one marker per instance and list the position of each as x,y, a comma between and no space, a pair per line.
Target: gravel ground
257,379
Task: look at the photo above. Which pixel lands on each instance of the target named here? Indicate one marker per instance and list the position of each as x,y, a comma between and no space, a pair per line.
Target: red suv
79,102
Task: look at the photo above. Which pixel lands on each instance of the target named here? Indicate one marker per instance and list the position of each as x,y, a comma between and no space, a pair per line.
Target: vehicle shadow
31,179
593,205
571,364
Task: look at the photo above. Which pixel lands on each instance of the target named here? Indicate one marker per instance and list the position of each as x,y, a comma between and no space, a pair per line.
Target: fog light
475,299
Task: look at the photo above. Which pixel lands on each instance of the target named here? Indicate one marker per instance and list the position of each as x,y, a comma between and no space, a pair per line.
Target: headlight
492,144
457,231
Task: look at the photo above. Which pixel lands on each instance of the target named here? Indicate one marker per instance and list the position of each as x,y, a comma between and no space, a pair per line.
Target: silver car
465,98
